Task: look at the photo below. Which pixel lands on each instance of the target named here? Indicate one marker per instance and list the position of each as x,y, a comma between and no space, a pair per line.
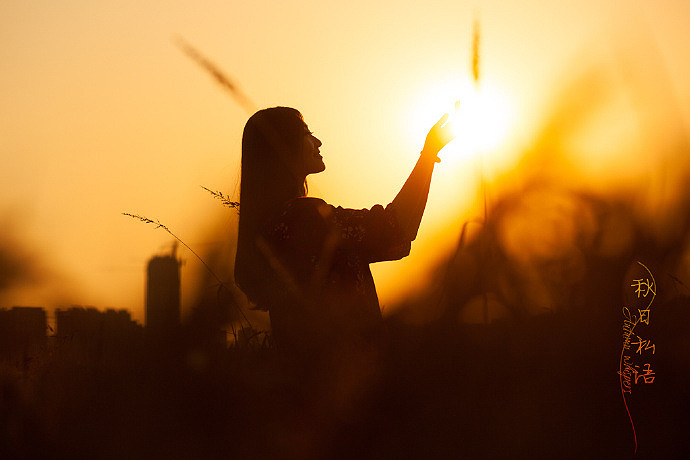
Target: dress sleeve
374,233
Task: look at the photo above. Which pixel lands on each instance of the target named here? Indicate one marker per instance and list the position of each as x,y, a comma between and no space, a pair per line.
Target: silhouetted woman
307,262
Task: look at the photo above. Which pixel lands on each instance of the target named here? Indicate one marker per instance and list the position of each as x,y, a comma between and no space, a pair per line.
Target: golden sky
102,114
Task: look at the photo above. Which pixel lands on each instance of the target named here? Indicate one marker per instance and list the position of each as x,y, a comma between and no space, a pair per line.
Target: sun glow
481,120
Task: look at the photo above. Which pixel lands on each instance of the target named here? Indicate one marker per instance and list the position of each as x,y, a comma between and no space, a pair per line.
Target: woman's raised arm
410,202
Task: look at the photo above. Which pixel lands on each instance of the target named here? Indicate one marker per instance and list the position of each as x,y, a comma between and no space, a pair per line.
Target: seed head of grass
146,220
475,51
224,199
223,79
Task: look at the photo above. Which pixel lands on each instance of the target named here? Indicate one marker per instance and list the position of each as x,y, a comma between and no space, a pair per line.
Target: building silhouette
22,332
87,335
163,295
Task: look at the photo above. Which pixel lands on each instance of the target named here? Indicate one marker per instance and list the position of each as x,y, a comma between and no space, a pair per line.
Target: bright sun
481,123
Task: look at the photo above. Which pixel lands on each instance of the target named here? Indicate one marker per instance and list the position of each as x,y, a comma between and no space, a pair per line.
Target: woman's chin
319,167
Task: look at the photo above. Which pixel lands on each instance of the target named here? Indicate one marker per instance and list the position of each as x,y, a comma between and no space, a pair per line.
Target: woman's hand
439,136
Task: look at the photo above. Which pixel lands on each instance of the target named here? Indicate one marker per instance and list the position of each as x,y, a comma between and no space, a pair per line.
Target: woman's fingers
441,133
445,133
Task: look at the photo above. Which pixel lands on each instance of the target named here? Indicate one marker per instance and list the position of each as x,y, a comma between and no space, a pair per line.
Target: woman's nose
317,142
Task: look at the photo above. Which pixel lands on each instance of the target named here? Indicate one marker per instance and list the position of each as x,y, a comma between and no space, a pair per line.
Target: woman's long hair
271,152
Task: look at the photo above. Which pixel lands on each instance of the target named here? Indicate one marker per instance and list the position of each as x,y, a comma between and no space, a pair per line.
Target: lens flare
482,119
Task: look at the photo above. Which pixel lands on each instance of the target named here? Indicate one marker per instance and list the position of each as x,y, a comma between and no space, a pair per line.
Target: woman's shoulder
307,209
300,220
302,211
306,202
307,206
304,207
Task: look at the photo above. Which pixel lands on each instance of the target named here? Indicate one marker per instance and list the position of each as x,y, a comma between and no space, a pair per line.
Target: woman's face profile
312,159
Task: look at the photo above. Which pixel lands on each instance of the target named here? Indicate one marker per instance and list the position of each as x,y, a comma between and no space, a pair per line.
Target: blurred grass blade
221,77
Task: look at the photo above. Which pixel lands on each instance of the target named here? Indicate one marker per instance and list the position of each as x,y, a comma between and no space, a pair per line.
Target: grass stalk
158,224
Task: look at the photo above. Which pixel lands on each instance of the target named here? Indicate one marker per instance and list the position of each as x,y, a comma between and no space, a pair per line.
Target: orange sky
102,114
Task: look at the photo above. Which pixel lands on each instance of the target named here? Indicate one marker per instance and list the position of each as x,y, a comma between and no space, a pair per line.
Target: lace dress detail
320,256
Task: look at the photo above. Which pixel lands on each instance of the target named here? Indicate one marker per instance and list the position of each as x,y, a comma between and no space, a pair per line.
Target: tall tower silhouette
163,295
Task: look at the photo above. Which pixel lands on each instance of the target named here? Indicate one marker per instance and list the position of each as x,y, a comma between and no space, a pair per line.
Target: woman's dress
324,295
